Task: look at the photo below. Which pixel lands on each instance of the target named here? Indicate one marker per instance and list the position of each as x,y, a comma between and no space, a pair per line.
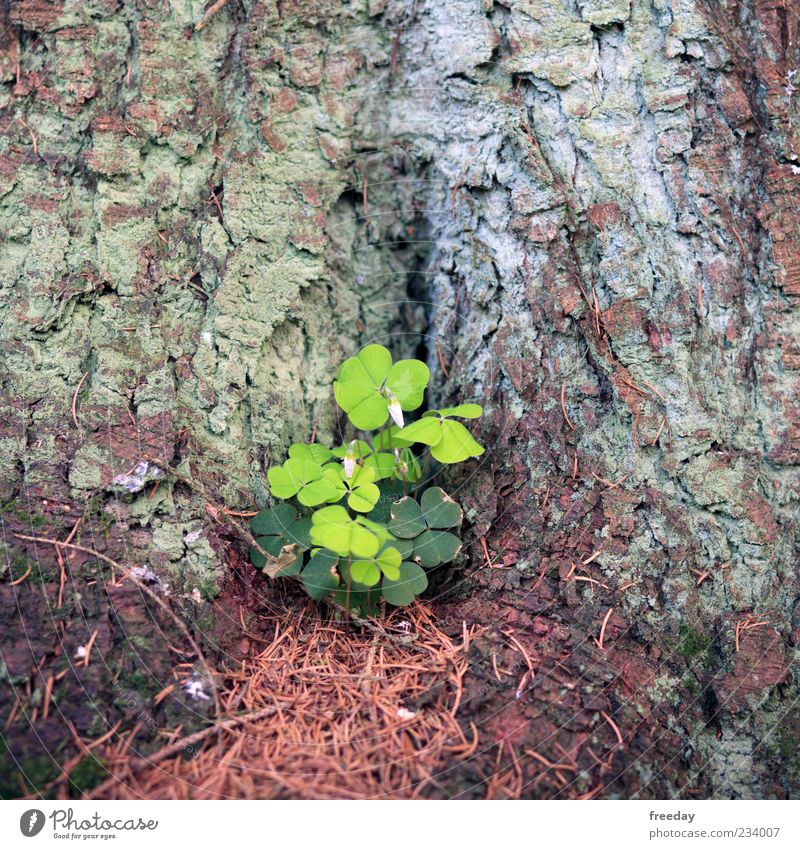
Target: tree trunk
578,210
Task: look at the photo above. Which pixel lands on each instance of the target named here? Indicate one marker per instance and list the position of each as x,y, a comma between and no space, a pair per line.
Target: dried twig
209,14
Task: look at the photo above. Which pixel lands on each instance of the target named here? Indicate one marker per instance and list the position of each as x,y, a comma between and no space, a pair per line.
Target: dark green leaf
411,582
320,577
407,519
431,548
273,520
439,510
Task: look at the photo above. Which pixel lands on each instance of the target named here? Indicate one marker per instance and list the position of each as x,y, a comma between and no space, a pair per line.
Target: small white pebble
80,653
405,713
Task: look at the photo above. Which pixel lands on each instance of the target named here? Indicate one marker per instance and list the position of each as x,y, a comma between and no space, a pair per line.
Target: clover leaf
332,528
280,530
373,548
388,440
411,582
424,523
450,441
386,562
320,577
315,452
362,493
370,388
303,478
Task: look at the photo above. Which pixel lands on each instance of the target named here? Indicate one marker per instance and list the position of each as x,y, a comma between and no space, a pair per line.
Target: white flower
80,653
405,713
395,411
349,461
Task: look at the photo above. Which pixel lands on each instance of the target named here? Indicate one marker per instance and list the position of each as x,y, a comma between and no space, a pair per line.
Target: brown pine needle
653,389
603,629
522,651
89,648
564,405
23,578
656,437
614,725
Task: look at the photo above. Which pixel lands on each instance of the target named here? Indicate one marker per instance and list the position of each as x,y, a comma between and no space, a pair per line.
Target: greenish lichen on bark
177,228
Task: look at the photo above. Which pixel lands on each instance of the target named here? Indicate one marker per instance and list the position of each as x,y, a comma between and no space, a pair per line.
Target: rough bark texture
582,212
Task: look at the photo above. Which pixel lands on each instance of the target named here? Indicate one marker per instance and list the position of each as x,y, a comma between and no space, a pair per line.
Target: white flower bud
349,461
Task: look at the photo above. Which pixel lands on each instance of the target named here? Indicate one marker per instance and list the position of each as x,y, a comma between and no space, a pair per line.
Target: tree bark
580,211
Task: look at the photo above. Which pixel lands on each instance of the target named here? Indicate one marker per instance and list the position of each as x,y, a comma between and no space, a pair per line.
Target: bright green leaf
363,498
318,492
368,383
382,465
365,572
388,561
376,362
463,411
456,443
428,431
315,453
407,381
282,483
332,527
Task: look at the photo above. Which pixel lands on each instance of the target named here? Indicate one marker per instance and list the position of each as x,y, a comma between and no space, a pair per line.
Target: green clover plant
369,524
